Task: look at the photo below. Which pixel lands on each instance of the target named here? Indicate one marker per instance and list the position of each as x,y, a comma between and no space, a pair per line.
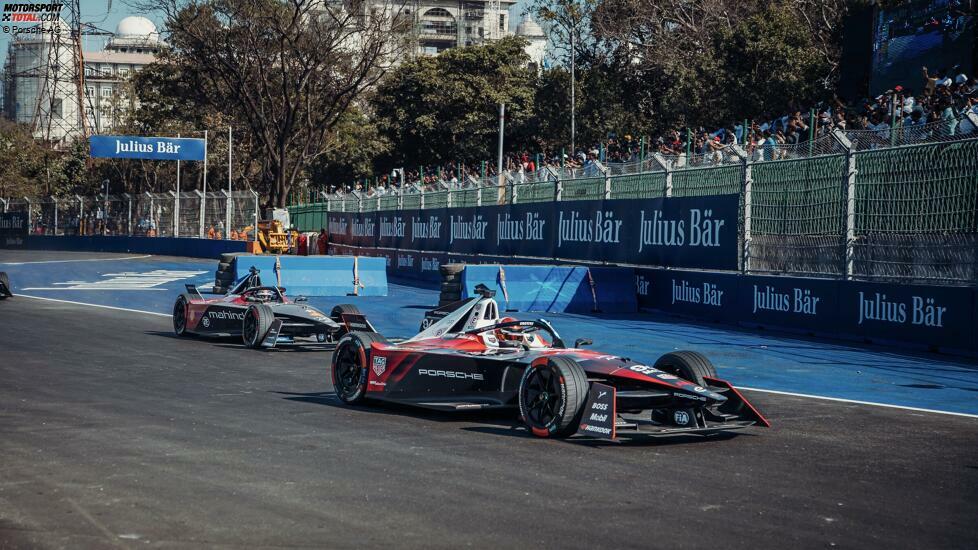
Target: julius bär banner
693,232
155,148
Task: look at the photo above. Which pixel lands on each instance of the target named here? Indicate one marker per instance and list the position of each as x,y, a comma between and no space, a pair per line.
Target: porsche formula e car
472,359
262,315
5,286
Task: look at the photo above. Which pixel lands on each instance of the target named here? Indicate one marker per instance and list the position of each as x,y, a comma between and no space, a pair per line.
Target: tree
288,70
357,144
446,108
21,162
699,56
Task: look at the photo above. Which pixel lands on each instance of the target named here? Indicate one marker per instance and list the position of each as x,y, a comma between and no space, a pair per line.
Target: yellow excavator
271,237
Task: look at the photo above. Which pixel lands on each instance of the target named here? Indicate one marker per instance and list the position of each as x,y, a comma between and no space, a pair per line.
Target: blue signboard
154,148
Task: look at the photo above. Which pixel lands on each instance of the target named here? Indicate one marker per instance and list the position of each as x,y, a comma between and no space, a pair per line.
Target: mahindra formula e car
5,286
262,315
472,359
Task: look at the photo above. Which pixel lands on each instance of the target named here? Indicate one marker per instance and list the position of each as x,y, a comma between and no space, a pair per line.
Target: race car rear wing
192,289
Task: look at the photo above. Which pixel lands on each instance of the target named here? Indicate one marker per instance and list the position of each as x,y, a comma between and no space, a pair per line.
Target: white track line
93,305
855,402
792,394
85,260
89,288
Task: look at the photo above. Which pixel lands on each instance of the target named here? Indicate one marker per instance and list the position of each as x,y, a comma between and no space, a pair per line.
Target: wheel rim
542,396
180,316
347,371
251,325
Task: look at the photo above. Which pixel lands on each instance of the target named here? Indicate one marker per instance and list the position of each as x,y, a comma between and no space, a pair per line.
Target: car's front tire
257,320
350,364
688,365
551,397
180,311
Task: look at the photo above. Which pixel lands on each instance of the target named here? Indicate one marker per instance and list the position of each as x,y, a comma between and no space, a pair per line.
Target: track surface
114,433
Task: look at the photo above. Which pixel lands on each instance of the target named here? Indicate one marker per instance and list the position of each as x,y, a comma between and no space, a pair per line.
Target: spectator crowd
933,110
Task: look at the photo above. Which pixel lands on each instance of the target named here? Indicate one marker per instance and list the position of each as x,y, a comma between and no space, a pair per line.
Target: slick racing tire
338,311
5,283
180,311
688,365
350,364
450,269
551,397
257,320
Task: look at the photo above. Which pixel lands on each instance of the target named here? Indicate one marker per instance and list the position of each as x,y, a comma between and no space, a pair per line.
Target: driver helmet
264,295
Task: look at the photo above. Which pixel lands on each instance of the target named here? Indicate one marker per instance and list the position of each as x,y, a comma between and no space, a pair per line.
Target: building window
106,92
502,23
90,91
123,72
56,108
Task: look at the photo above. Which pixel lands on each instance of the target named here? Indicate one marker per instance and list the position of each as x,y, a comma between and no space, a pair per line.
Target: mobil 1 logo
598,418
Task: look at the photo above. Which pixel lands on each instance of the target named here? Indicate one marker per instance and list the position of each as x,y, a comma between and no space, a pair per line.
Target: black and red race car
262,315
472,359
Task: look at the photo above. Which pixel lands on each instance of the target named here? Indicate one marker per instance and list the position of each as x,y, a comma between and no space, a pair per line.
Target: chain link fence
832,207
216,215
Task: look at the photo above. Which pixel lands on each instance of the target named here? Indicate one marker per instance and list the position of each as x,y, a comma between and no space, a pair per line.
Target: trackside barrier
936,317
320,275
193,248
924,316
555,288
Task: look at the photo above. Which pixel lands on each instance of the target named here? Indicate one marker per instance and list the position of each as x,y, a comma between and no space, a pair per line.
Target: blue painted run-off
746,358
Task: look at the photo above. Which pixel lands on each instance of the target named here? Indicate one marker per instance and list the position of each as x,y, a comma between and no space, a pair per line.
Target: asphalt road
114,433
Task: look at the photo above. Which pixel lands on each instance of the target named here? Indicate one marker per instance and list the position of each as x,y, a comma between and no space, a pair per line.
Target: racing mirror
581,342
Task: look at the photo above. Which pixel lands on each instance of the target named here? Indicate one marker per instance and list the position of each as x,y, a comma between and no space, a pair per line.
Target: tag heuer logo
206,322
380,365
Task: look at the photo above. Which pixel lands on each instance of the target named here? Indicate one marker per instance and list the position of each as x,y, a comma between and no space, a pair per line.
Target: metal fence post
746,188
422,194
850,198
478,195
448,198
4,201
227,213
55,201
255,221
30,213
606,173
664,164
200,195
81,213
129,214
515,190
400,194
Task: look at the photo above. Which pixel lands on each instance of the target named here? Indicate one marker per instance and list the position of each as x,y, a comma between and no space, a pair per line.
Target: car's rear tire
688,365
552,396
349,365
180,311
257,320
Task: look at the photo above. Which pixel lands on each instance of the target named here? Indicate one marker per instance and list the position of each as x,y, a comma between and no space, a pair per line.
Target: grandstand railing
840,207
216,215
